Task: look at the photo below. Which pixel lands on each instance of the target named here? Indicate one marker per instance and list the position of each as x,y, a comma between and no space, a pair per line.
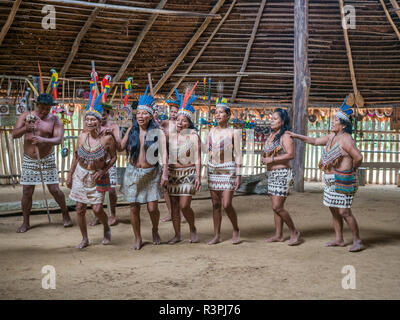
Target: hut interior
300,55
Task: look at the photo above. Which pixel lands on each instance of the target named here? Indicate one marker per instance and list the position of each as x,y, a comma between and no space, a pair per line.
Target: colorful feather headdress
222,102
146,102
175,103
186,101
94,107
344,111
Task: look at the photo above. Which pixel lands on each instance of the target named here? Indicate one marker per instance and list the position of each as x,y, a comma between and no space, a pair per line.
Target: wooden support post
248,48
301,88
187,48
78,39
138,41
189,68
10,20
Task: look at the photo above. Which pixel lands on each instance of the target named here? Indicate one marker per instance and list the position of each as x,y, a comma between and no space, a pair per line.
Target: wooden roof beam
138,41
189,68
396,7
135,9
248,48
187,48
78,39
394,4
10,20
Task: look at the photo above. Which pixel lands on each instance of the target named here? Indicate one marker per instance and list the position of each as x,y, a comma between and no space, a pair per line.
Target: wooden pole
248,48
189,68
10,20
396,7
134,9
348,50
187,48
301,88
390,18
138,41
79,38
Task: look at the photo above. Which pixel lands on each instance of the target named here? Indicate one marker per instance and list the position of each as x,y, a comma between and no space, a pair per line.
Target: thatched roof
269,71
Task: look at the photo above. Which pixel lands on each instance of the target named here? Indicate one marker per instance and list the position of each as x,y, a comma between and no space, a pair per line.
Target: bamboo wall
379,145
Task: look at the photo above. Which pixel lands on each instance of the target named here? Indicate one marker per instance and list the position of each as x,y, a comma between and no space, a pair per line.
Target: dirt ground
250,270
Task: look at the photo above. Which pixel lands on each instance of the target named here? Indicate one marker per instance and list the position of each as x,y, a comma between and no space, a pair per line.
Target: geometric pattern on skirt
222,176
181,181
333,198
113,174
84,187
30,174
280,181
142,185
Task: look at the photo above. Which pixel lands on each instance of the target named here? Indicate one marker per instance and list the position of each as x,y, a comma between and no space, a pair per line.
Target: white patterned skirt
333,198
222,176
113,175
181,181
142,185
280,181
84,187
30,174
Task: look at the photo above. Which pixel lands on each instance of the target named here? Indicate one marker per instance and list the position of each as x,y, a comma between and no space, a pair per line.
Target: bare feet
275,239
107,237
166,219
67,223
94,222
295,239
83,244
357,246
193,236
175,239
236,237
335,243
156,238
24,228
215,240
138,244
112,221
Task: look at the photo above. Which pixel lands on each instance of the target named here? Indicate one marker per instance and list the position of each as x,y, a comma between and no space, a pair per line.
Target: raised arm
321,141
124,140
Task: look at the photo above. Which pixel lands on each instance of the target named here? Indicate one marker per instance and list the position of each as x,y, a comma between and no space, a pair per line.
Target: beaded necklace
89,154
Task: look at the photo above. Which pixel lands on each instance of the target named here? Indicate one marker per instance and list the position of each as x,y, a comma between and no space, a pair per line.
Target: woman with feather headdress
184,170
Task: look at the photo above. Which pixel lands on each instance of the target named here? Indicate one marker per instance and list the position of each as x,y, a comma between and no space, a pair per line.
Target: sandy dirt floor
250,270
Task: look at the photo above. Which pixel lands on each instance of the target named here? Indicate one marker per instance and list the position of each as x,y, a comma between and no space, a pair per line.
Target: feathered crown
177,102
94,107
221,102
186,101
146,102
344,111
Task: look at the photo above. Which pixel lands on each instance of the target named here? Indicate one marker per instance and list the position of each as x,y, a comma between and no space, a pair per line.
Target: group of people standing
164,160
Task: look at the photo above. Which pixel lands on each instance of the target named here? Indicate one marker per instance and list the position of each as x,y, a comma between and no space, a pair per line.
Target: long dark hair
348,125
286,122
133,145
